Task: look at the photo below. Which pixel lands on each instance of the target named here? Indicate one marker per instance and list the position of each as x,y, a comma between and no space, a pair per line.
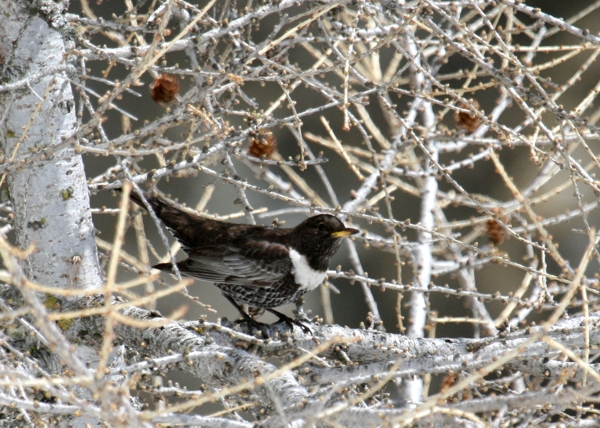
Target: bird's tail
186,226
155,203
167,267
160,207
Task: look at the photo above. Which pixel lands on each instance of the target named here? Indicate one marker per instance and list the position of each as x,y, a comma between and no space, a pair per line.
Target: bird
261,266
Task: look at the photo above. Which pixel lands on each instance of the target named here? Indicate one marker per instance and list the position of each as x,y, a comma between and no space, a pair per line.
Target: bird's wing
257,264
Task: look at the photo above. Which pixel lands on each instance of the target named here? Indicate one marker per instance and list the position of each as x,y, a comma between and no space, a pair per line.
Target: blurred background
207,82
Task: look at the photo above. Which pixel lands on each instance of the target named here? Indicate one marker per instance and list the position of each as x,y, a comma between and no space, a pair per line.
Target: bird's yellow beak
344,233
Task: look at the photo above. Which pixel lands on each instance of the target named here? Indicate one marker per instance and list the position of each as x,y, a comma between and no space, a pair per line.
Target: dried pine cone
467,121
164,89
496,233
262,145
448,382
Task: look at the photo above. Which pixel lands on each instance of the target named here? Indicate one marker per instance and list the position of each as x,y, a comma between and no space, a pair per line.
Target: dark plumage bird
261,266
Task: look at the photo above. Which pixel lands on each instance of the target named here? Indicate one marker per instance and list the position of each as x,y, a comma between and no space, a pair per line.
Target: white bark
50,197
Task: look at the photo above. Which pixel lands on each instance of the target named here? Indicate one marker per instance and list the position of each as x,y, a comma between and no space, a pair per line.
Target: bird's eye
321,227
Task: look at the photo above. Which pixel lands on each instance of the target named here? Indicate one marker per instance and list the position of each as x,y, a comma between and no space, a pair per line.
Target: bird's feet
291,322
254,327
268,331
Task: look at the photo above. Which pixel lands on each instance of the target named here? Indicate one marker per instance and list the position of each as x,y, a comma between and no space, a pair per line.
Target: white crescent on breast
305,276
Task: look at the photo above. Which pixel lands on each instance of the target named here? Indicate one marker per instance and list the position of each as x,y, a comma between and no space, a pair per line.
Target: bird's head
319,237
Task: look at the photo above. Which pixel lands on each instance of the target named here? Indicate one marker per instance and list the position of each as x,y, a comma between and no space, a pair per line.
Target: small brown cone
468,122
262,145
164,89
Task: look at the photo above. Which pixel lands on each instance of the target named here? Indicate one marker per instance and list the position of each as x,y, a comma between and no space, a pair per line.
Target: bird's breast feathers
305,276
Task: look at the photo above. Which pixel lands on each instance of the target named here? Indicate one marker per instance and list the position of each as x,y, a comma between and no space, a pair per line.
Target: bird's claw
254,327
268,331
291,322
